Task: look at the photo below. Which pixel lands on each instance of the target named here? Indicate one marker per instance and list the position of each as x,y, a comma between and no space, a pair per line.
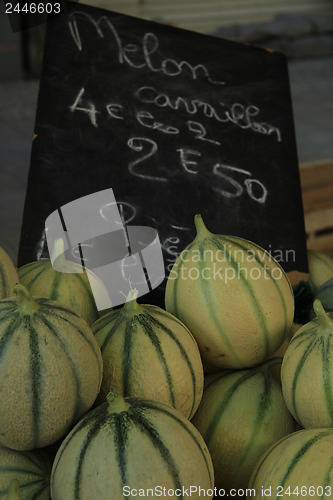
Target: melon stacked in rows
301,463
238,303
51,372
262,435
117,406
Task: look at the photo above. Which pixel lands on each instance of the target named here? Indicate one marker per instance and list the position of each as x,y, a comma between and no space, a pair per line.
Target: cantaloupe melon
50,370
72,289
307,371
242,413
297,466
132,445
25,474
233,296
149,353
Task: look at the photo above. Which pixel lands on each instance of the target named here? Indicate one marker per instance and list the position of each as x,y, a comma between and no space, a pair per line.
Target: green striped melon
307,371
30,469
320,269
297,466
131,444
8,275
71,289
50,370
147,352
233,296
241,414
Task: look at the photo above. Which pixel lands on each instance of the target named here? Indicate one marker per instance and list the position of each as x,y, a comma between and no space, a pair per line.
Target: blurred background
301,29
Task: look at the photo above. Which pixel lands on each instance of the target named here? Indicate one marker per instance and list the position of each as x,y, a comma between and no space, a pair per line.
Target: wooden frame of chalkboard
176,123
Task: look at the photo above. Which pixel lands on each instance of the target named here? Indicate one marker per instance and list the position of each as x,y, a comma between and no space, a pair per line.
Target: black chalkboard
176,123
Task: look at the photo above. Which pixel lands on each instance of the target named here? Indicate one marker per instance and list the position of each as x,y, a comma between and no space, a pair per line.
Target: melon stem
131,305
116,403
202,231
322,315
27,304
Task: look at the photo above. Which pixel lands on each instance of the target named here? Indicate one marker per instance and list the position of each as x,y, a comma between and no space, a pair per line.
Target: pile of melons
220,393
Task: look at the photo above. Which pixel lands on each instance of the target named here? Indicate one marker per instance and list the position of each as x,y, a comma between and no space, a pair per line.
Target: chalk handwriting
239,114
219,170
249,188
200,132
188,158
146,55
90,110
146,119
171,246
180,228
186,163
115,111
138,144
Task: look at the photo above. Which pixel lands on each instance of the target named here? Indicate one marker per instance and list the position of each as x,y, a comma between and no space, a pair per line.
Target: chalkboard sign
176,123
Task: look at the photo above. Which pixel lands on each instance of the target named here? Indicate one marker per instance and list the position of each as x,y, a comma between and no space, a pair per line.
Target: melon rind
142,445
50,372
298,465
234,297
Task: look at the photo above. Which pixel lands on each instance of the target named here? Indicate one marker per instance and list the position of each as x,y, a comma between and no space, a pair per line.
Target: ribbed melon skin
237,322
303,460
149,353
145,446
8,275
307,375
50,372
242,413
31,468
70,289
320,269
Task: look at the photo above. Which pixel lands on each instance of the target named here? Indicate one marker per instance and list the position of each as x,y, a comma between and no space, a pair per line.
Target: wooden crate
317,192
